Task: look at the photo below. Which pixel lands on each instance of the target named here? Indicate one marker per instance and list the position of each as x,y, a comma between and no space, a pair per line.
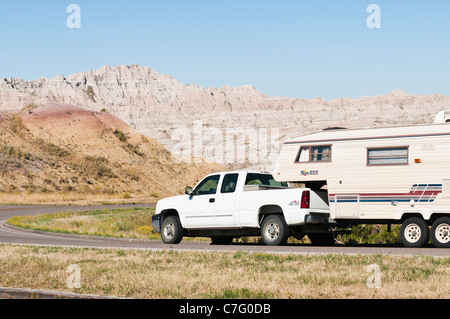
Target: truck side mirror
188,190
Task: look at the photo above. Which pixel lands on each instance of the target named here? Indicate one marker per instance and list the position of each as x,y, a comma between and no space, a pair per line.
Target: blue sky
294,48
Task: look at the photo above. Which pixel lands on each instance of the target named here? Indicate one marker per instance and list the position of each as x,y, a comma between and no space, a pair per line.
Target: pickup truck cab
228,205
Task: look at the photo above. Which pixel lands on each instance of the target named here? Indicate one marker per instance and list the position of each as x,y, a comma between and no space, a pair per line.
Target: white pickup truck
228,205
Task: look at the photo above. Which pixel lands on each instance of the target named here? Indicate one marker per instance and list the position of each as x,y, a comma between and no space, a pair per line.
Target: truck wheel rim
443,233
272,231
169,230
413,233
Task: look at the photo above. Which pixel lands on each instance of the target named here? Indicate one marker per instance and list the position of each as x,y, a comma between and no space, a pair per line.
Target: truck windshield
263,179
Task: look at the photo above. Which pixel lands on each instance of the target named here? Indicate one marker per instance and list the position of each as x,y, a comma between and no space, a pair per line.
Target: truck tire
274,230
414,232
440,232
171,230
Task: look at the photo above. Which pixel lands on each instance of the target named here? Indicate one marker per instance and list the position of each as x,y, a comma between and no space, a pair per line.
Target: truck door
226,201
200,210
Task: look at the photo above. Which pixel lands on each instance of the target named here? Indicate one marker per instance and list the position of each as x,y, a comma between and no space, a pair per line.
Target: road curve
12,235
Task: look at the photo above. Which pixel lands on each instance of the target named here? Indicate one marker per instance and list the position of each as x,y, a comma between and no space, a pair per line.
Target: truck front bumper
156,223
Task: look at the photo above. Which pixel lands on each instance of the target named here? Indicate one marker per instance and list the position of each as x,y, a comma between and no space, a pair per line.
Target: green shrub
372,234
120,135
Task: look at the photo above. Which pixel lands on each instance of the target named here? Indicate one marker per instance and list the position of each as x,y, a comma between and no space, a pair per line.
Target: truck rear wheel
274,230
171,230
414,232
440,232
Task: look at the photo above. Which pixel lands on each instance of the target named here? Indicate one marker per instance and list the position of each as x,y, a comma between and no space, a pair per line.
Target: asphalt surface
11,235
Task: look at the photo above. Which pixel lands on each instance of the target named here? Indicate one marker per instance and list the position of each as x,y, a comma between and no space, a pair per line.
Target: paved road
16,236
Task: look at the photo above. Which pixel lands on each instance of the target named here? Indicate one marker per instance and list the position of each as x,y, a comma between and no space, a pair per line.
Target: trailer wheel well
268,210
436,216
409,215
430,221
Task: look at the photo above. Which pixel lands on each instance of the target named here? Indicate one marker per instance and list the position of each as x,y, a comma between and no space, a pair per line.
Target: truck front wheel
274,230
171,230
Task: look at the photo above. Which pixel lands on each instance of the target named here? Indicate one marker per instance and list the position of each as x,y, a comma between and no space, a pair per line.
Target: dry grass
136,223
174,274
74,199
122,223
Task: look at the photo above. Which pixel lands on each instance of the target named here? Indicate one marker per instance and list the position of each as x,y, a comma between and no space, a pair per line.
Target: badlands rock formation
59,148
183,117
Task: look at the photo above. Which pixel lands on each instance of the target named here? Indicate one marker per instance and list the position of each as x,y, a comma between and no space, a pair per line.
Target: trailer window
387,156
314,154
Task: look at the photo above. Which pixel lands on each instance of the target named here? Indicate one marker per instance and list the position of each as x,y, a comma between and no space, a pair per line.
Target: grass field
175,274
123,223
73,198
136,223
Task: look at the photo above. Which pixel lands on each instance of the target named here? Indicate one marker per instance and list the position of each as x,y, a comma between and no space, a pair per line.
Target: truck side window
229,183
208,186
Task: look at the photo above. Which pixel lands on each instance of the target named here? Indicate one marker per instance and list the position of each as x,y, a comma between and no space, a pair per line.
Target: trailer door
346,206
446,188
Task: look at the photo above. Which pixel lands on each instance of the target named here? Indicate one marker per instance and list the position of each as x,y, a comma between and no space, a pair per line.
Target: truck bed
258,187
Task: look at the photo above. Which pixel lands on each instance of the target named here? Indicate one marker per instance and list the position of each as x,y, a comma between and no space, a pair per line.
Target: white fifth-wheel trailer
391,175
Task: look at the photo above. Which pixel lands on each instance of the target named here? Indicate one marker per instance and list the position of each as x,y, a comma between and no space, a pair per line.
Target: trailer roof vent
442,117
334,128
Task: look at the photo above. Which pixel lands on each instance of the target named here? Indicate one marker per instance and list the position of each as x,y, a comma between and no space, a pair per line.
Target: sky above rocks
291,48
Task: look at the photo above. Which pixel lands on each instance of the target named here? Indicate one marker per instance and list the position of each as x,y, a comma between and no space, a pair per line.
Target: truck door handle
212,200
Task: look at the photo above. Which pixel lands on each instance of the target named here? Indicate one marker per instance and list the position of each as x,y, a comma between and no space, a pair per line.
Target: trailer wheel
414,232
274,230
171,230
440,232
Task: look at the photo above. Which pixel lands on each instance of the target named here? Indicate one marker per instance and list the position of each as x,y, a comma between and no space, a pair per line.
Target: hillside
158,105
59,149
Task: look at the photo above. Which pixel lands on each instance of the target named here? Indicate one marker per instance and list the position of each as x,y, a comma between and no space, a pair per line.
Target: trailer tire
414,232
171,230
274,230
440,232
